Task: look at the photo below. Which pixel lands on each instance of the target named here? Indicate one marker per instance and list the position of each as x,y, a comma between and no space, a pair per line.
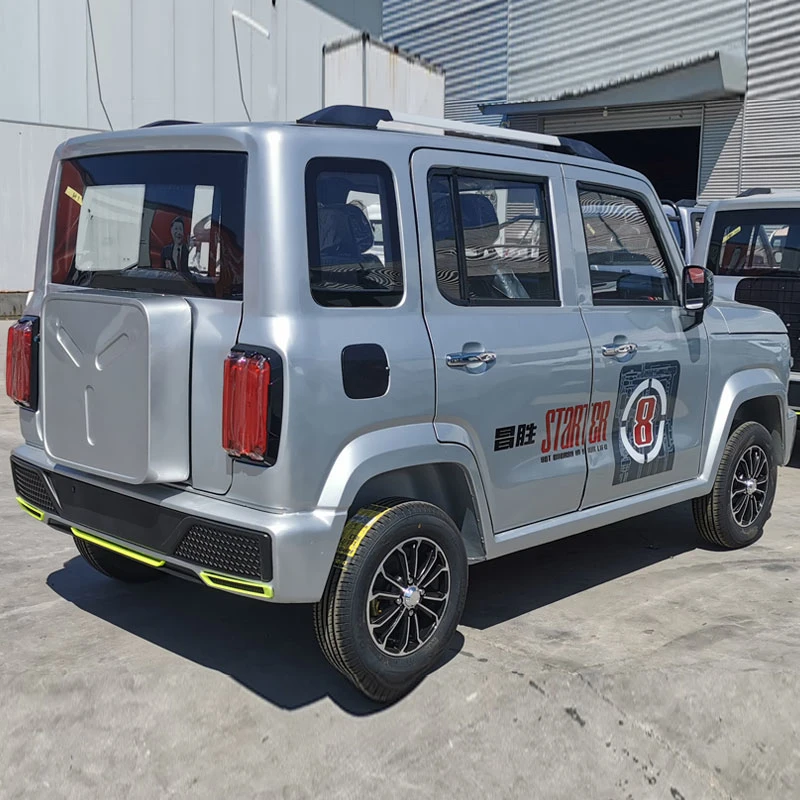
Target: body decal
642,432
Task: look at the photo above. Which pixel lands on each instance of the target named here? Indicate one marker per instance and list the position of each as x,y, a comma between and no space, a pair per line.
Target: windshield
755,242
164,222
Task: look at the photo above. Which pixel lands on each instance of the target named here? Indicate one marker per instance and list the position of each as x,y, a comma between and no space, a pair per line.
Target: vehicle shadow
509,587
269,649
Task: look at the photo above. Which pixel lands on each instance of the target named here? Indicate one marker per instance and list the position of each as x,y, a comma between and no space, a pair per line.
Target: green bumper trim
236,585
32,510
116,548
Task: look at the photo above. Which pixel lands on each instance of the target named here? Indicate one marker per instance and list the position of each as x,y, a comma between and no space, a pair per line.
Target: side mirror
698,288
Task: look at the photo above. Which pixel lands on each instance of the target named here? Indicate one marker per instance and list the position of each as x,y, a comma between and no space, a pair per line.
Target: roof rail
374,118
161,122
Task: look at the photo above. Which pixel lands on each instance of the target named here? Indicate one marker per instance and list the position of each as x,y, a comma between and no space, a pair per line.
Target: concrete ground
630,662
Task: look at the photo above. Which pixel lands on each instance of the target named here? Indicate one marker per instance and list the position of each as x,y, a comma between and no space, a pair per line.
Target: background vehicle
298,419
685,218
752,244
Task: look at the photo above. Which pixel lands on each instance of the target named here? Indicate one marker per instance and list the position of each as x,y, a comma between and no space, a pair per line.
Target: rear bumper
282,557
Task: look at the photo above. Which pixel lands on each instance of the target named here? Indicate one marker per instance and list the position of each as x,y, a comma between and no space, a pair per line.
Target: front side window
353,235
755,242
163,222
626,261
491,236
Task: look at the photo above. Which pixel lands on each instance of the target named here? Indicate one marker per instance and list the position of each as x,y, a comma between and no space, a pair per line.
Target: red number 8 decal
643,421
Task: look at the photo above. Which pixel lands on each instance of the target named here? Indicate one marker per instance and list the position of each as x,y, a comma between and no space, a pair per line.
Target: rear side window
163,222
755,242
697,221
353,237
491,238
626,261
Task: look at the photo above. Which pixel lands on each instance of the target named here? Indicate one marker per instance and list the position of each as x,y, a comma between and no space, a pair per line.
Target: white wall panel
19,60
227,96
27,153
307,29
63,62
113,43
152,26
194,60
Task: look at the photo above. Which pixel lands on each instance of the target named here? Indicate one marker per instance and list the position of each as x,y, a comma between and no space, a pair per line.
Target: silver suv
221,377
752,245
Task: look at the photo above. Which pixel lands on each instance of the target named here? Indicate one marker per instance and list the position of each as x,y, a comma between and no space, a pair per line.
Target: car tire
113,565
733,514
394,596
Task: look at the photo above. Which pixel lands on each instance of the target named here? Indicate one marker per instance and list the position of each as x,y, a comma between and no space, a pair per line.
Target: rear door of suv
143,305
511,354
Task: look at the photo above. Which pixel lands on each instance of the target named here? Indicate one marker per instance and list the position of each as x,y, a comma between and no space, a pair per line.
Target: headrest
335,235
362,230
344,230
443,219
479,219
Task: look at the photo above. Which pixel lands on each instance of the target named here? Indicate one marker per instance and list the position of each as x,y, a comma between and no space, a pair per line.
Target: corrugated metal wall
556,46
771,144
469,39
625,118
720,150
773,52
771,153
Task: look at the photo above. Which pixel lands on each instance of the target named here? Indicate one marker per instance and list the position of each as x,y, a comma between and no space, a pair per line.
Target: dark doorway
669,157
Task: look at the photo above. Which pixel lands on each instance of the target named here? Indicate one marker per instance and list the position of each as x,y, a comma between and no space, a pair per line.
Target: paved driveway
624,663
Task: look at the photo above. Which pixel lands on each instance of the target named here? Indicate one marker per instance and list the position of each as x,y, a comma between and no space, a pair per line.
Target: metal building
73,66
702,97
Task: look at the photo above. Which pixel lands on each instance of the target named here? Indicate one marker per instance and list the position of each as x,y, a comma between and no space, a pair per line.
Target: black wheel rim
408,596
750,485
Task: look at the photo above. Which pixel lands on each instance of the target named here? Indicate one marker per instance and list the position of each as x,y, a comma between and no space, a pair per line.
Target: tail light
245,405
22,362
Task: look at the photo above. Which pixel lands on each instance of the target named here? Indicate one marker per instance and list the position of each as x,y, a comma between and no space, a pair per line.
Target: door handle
469,359
619,350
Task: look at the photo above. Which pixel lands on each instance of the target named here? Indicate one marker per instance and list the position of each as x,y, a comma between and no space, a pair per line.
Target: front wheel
394,596
733,514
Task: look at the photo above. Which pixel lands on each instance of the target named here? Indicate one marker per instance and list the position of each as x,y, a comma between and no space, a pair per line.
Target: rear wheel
394,597
733,514
113,565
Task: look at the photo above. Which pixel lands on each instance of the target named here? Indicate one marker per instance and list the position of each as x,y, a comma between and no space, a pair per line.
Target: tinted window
626,261
755,242
491,238
677,231
353,239
166,222
697,220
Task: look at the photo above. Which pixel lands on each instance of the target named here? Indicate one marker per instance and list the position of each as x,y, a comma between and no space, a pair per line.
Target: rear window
160,222
755,242
353,235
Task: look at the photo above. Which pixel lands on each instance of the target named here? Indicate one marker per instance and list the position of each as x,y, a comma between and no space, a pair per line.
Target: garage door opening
669,157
